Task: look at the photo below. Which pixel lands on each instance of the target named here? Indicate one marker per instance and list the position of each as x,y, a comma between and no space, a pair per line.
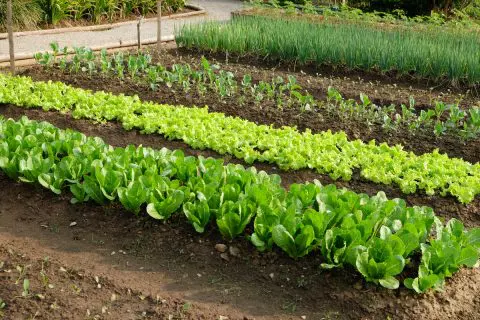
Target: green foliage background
412,7
30,14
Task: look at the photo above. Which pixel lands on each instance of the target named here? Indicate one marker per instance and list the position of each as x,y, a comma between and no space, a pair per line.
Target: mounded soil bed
150,270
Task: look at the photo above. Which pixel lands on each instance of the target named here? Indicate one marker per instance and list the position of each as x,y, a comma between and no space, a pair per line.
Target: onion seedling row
437,55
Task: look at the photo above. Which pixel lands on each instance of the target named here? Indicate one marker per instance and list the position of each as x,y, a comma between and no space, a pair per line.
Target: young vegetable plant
44,59
133,66
198,213
452,248
382,261
105,62
119,64
64,60
233,217
295,238
26,288
56,50
163,204
133,196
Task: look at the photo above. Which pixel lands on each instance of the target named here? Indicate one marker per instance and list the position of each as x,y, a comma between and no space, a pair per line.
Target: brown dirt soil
381,92
150,270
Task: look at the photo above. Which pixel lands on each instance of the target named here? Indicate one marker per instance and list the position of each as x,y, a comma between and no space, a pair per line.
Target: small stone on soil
73,224
225,256
234,251
220,247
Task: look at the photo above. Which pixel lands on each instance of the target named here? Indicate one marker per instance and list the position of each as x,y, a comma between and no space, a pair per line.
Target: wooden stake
139,39
10,35
159,24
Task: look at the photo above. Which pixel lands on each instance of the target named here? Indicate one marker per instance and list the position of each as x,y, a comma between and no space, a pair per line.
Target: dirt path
149,270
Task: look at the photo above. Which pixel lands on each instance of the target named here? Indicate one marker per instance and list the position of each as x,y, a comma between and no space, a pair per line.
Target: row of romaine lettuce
327,152
374,235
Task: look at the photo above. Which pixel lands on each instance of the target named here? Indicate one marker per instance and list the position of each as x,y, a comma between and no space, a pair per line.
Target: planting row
327,152
441,119
428,54
374,235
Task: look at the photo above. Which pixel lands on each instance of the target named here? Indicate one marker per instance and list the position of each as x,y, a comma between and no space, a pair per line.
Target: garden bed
380,90
450,55
107,263
82,239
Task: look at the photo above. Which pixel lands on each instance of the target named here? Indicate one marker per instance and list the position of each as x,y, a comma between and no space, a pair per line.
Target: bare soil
149,270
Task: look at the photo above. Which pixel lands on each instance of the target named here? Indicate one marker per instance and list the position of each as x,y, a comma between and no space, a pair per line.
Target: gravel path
216,10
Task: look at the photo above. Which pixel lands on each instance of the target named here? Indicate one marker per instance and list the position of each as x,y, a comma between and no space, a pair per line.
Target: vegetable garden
305,175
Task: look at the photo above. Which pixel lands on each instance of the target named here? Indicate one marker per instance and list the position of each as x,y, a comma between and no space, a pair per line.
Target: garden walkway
215,10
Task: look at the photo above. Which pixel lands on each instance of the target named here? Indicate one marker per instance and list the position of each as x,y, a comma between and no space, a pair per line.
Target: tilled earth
90,262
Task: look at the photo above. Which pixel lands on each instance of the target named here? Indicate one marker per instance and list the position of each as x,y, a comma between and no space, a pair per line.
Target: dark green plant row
31,14
374,235
326,152
285,93
436,55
